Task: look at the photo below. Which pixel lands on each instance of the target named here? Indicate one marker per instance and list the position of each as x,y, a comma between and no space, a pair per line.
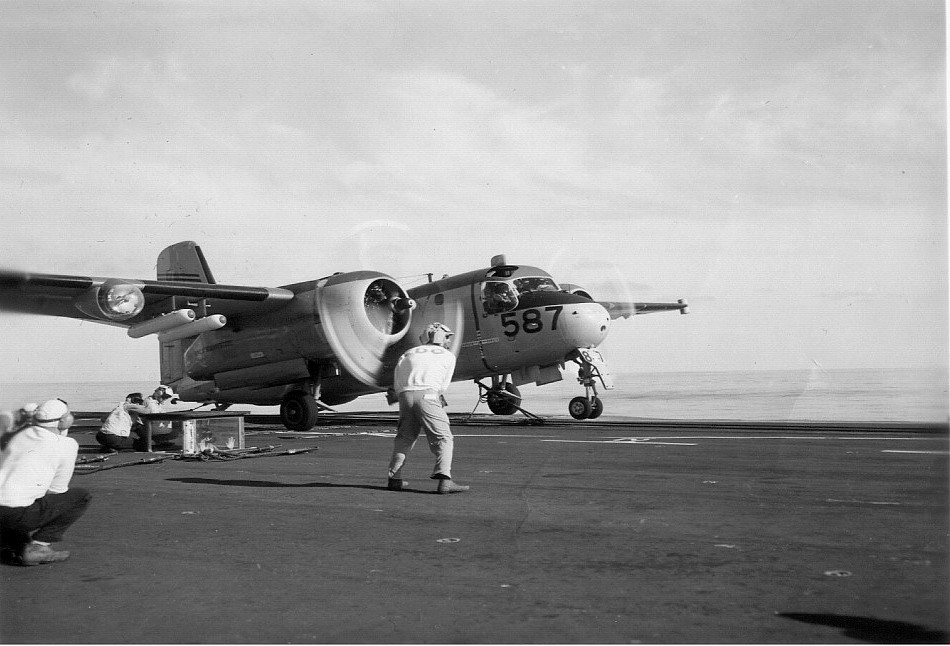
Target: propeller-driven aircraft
312,345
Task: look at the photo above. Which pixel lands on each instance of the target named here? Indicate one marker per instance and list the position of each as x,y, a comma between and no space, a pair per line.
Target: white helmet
436,333
49,413
166,392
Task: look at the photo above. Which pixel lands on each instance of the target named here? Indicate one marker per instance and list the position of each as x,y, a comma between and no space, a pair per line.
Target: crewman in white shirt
36,503
422,376
122,428
156,401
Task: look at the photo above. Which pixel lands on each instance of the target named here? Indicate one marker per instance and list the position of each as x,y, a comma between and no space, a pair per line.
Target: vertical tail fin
182,262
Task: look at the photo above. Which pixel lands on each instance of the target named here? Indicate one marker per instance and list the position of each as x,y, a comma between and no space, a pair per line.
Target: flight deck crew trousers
119,442
421,410
45,520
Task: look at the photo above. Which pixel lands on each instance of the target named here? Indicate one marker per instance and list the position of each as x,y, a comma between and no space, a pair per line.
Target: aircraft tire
579,408
299,411
503,405
596,408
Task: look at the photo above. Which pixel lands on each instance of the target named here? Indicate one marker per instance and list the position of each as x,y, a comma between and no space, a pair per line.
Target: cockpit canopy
503,295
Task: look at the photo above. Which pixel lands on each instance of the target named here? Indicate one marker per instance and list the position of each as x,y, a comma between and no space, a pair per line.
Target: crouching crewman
36,503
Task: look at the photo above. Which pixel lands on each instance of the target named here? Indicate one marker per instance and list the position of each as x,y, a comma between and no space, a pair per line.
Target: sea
829,395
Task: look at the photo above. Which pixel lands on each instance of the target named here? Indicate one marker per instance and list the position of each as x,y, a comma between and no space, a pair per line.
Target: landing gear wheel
501,404
299,411
596,408
579,408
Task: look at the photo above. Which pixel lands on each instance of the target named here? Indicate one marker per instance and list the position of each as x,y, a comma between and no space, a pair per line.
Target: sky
781,165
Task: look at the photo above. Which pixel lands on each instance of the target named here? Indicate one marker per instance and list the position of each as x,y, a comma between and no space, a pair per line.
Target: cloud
447,128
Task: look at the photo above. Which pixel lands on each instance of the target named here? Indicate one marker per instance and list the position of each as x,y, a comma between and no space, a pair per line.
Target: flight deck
607,531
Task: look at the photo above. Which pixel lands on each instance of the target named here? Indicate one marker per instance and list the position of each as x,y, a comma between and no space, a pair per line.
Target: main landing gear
299,410
590,363
502,397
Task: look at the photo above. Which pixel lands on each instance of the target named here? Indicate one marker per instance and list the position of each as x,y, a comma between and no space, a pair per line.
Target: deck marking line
774,437
923,452
501,435
720,437
627,442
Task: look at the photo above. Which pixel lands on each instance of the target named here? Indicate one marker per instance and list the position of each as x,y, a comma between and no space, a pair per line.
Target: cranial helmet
50,412
436,333
166,392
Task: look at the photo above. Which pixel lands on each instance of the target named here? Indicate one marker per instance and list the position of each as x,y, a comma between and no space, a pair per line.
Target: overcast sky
782,165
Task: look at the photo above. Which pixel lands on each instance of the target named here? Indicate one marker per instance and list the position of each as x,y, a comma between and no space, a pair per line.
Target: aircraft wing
125,302
625,310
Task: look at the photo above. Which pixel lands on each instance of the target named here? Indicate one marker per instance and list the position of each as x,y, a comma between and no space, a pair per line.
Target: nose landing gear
591,369
586,407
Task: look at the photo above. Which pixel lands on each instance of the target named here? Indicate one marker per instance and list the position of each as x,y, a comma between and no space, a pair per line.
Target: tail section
184,262
181,262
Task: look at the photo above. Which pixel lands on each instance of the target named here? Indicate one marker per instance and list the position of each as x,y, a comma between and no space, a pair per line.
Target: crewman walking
422,376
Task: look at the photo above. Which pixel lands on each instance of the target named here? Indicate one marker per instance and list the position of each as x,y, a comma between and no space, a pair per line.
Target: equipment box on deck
195,432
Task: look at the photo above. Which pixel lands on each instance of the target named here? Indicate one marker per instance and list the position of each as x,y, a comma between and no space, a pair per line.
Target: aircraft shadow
269,483
871,630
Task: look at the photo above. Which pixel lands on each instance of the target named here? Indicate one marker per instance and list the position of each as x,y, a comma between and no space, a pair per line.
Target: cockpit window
501,296
535,284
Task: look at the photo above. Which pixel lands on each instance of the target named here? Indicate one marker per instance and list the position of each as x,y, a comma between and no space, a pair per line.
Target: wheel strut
590,405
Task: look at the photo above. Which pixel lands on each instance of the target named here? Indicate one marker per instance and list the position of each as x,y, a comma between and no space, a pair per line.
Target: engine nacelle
576,290
113,300
362,315
350,319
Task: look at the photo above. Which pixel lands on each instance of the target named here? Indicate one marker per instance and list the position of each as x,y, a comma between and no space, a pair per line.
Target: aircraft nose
584,325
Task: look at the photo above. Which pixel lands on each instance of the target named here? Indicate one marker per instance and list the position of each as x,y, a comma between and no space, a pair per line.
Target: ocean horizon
830,395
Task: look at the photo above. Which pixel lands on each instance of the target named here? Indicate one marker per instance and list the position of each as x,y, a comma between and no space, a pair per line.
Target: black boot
396,484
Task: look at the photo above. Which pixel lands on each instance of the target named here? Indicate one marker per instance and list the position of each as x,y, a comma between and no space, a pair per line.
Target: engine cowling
576,290
361,317
351,319
113,300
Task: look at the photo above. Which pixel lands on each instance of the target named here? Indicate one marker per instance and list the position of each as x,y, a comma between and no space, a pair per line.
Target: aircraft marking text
531,321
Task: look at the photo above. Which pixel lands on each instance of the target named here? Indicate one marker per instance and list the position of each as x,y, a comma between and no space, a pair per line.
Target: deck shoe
396,484
447,486
36,553
9,556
